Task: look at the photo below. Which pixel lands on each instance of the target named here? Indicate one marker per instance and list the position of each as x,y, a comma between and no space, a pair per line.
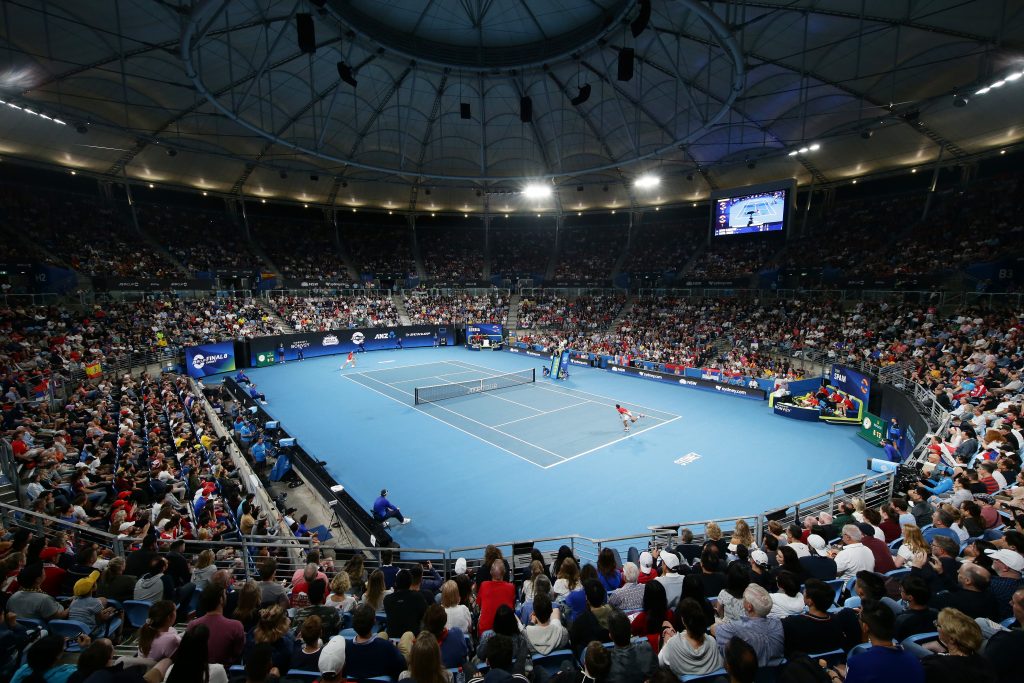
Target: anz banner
529,352
692,382
851,382
269,350
210,359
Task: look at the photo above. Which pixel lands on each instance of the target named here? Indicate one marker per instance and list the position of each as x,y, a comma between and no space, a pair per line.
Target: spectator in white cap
332,660
759,568
647,571
668,577
460,566
818,564
1006,577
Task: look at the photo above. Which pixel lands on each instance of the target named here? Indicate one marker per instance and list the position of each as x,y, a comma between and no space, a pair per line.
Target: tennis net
440,392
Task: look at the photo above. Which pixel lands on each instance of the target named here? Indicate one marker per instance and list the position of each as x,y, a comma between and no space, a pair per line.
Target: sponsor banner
210,359
459,284
268,350
692,382
150,284
851,382
484,329
530,352
298,283
577,283
795,412
737,282
573,360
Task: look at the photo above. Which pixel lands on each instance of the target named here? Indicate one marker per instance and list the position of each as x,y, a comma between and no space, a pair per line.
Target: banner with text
210,359
692,382
267,350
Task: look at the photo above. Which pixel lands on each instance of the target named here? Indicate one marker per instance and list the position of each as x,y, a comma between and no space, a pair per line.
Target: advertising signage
267,350
692,382
210,359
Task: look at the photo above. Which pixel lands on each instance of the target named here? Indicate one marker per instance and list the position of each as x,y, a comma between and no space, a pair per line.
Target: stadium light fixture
74,173
793,153
998,84
982,91
537,191
647,181
151,186
803,150
205,193
815,147
1014,76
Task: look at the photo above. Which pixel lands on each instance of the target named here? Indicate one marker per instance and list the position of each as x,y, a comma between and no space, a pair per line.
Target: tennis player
627,417
350,358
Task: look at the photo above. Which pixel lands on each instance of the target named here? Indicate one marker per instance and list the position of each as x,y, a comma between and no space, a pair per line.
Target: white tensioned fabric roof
218,95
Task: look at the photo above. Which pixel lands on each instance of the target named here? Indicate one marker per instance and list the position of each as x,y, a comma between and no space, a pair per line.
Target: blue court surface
546,458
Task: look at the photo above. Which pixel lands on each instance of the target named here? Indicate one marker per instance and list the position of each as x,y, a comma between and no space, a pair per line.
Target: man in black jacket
404,607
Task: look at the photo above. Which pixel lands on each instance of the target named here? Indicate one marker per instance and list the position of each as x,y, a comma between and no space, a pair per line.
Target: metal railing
130,361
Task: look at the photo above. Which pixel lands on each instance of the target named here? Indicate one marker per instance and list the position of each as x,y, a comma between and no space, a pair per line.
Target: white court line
399,367
466,417
547,412
383,362
622,438
435,417
441,376
566,390
493,395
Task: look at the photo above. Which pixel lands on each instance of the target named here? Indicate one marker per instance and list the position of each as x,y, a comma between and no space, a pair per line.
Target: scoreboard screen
749,210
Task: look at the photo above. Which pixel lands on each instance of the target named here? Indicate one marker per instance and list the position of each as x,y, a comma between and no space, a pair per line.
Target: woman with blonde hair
247,610
356,574
568,578
425,661
962,638
536,569
204,570
114,583
914,547
273,630
339,597
458,614
741,535
375,592
858,509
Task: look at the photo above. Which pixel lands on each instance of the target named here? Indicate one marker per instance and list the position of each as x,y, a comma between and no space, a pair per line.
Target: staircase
692,261
280,322
626,309
403,314
8,494
513,312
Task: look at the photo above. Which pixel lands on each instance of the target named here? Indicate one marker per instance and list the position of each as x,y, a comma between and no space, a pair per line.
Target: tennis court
537,421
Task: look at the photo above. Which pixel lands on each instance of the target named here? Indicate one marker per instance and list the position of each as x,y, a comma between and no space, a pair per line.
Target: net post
533,374
416,396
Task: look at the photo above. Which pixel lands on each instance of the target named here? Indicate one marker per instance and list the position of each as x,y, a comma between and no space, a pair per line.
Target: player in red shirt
350,358
627,417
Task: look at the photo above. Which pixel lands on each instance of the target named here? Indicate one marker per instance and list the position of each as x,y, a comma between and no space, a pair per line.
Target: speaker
464,111
643,18
626,55
525,109
306,33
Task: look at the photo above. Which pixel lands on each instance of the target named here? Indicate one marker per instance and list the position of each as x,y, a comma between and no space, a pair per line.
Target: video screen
760,212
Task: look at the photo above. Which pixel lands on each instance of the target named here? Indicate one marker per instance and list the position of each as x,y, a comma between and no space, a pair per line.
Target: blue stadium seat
306,676
136,612
832,657
70,629
719,675
552,662
898,572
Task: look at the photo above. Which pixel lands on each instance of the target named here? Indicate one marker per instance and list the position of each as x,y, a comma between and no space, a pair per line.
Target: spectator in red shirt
227,636
493,594
883,558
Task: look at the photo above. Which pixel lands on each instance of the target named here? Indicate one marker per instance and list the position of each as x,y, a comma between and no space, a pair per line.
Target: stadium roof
219,95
